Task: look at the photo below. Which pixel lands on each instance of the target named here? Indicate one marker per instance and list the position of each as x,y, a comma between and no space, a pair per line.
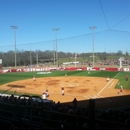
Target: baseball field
77,84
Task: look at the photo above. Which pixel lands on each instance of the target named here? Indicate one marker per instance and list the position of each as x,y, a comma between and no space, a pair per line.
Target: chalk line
107,84
111,85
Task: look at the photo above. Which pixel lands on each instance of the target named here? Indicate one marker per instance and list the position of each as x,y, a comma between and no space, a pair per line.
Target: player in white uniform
62,91
65,74
44,95
47,93
107,79
121,89
34,78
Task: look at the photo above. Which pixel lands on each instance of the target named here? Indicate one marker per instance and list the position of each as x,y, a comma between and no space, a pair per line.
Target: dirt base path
81,88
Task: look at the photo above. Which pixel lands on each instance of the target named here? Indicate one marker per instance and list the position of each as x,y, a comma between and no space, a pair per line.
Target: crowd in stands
33,113
125,62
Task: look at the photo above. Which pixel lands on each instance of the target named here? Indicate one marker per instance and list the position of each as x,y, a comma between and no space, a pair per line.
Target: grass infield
121,76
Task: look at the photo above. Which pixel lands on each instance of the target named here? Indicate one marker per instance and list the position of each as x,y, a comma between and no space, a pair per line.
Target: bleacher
33,113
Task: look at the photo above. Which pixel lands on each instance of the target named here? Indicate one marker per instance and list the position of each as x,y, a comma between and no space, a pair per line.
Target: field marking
107,84
86,97
93,96
71,85
99,96
89,96
61,85
72,95
111,85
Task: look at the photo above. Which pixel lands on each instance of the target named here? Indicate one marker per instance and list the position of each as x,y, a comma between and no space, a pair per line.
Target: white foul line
111,85
106,85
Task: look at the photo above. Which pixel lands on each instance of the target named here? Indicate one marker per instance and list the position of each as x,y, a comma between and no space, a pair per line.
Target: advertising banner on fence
126,69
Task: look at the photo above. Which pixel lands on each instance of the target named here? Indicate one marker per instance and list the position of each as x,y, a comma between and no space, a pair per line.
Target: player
34,78
65,74
47,94
44,95
107,79
62,91
88,71
126,77
121,89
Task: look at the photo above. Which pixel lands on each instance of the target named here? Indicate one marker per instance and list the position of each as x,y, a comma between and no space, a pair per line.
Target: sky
74,18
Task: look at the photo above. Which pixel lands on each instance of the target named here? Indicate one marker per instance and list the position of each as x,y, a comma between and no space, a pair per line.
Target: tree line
25,58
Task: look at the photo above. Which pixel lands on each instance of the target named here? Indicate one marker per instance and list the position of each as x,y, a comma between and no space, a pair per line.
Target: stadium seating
32,113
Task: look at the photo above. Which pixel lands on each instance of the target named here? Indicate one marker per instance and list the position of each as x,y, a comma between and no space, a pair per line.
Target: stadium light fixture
15,27
92,28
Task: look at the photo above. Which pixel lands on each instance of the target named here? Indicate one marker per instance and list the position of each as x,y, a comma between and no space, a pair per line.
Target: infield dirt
81,88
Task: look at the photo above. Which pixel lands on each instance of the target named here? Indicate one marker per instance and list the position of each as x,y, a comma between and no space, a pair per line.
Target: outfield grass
10,77
122,81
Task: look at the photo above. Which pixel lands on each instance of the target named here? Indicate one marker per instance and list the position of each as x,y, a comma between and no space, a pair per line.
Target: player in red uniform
62,91
126,77
47,94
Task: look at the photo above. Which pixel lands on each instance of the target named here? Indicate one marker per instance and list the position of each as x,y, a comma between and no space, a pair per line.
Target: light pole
92,28
55,46
15,27
30,58
54,53
37,59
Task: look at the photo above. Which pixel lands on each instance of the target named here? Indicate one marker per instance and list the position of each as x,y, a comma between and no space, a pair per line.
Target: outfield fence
65,68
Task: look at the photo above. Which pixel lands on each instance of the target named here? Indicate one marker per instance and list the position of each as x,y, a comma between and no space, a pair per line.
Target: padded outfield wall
66,68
